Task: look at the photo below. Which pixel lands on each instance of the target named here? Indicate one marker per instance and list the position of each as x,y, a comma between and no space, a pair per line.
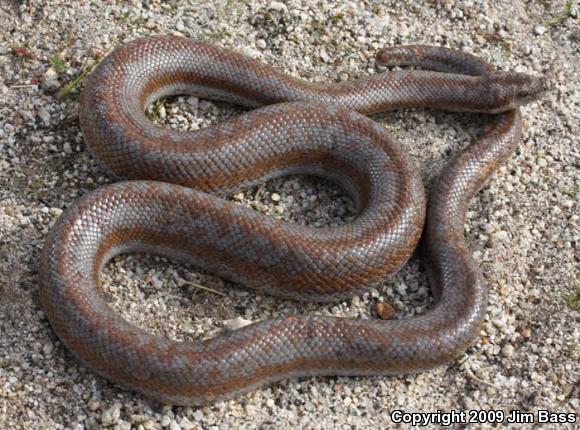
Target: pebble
67,147
55,212
50,80
275,197
500,236
94,405
185,424
44,115
156,282
165,421
279,6
261,43
508,350
385,311
193,102
539,29
111,415
237,323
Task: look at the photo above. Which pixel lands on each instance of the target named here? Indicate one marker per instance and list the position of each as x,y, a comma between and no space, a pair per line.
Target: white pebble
539,29
110,416
185,424
67,148
193,102
237,323
500,236
279,6
44,115
55,211
50,80
507,350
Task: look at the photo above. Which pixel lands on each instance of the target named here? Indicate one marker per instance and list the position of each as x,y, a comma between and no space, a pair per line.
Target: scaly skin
314,129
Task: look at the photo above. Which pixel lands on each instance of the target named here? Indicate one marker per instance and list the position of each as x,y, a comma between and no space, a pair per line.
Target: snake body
172,206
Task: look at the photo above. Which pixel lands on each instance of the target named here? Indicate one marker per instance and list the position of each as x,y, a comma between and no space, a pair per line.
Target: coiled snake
170,208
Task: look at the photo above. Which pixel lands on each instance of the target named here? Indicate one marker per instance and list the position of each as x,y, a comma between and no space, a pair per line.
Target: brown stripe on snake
318,133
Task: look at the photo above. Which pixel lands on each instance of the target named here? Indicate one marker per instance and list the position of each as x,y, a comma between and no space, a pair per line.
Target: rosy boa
306,128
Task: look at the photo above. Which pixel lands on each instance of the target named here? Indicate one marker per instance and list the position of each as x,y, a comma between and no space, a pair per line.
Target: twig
481,381
201,287
18,86
71,86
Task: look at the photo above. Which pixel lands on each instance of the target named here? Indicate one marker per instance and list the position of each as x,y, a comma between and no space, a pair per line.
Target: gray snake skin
172,207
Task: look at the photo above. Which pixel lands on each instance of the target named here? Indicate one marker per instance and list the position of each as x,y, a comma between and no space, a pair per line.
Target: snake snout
510,90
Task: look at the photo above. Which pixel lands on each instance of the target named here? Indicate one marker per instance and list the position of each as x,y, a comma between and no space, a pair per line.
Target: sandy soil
522,228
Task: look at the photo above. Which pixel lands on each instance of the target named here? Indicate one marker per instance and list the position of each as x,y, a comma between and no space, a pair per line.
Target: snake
172,201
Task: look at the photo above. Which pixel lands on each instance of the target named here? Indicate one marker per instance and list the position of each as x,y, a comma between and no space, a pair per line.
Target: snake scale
171,204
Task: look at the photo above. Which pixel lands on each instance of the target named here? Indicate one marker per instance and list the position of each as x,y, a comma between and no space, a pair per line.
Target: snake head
509,90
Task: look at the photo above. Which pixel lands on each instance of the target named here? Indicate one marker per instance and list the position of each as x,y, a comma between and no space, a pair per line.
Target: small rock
539,29
275,197
55,211
402,289
250,409
261,43
94,405
67,148
237,323
189,23
156,282
385,311
185,424
193,102
250,52
50,80
507,350
110,416
469,404
198,415
47,349
500,236
278,6
44,115
165,421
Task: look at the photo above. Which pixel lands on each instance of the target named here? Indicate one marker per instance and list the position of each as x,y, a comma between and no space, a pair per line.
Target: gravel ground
522,228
